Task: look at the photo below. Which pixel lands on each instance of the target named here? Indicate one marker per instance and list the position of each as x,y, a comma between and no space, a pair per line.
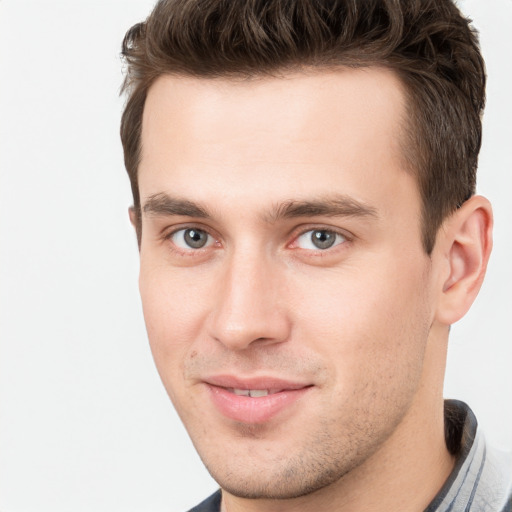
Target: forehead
274,133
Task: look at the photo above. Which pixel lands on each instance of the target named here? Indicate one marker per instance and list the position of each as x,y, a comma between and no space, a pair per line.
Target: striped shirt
481,480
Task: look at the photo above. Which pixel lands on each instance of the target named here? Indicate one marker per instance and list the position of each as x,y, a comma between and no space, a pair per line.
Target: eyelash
190,251
316,252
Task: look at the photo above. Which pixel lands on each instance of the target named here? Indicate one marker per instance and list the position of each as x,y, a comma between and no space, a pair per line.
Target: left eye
319,239
191,238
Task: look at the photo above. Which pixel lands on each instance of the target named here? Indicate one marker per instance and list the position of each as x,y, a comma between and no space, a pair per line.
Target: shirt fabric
481,480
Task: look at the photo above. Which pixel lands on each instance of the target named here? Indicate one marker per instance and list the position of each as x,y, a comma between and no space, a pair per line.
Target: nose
250,308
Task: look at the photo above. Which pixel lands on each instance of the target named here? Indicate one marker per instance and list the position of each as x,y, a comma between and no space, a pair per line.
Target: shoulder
210,504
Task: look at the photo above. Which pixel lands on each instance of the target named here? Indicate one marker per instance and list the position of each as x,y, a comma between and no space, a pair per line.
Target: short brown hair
428,43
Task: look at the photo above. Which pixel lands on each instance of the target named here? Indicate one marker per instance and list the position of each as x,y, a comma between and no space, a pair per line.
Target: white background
85,424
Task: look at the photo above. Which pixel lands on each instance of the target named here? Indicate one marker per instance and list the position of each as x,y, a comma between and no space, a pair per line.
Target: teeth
242,392
258,392
251,392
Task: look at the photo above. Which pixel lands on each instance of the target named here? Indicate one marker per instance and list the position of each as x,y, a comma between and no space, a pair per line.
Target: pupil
195,238
323,239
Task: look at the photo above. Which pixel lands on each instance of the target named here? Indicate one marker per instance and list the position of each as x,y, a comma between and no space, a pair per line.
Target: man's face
281,253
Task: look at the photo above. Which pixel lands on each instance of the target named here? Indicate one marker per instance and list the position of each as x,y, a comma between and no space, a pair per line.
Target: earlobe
467,244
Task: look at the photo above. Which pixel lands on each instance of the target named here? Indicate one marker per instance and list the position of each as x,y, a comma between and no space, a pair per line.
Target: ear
133,216
465,245
136,223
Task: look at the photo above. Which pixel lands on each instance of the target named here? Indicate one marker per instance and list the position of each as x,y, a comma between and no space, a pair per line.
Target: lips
254,400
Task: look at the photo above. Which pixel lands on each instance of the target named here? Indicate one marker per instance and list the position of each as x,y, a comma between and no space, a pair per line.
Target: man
303,175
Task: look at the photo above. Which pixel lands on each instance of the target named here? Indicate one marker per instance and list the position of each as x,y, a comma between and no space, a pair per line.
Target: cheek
372,334
173,312
368,323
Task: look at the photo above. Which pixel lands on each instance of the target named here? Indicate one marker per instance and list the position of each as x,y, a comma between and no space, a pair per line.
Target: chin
282,480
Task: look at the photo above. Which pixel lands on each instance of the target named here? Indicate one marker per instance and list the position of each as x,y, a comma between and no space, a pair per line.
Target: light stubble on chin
324,458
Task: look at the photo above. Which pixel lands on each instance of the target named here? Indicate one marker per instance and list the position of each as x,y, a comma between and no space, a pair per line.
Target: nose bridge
248,308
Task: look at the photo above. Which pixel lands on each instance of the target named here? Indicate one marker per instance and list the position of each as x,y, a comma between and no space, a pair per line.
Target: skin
364,322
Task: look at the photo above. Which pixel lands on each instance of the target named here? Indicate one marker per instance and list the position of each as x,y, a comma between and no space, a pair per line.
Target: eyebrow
330,206
162,204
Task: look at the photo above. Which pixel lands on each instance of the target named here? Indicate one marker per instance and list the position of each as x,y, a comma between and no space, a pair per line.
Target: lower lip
260,409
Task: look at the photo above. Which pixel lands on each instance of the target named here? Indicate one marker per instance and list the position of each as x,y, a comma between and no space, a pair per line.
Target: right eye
320,239
192,238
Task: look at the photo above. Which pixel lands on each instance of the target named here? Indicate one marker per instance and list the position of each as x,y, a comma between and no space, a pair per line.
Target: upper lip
270,383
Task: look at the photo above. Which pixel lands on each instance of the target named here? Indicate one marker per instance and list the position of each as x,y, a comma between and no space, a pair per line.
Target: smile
254,401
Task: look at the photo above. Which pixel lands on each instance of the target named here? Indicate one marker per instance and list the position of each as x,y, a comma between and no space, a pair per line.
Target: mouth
254,401
254,393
